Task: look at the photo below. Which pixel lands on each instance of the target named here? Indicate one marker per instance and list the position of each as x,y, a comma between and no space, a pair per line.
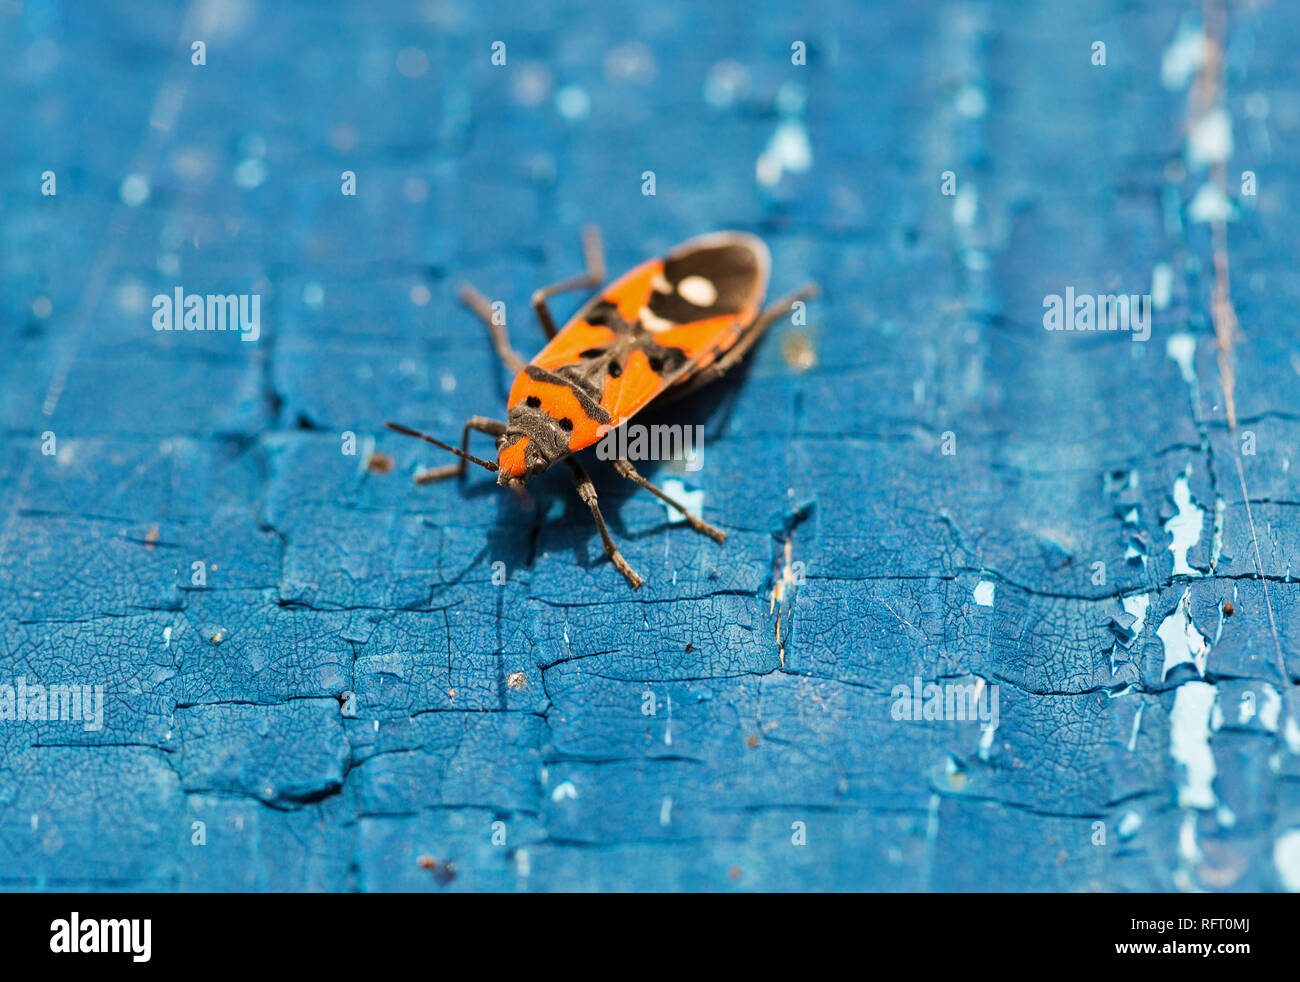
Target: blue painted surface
349,690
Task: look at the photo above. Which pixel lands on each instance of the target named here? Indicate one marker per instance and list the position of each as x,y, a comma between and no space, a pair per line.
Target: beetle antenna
407,431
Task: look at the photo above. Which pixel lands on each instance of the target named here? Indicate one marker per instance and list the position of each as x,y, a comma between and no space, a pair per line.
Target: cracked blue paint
318,675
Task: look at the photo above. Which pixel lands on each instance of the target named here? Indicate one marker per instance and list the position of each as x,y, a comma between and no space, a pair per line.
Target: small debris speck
1228,609
798,351
379,463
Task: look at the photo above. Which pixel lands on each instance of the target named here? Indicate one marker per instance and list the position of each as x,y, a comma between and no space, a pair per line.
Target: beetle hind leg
480,304
625,468
741,348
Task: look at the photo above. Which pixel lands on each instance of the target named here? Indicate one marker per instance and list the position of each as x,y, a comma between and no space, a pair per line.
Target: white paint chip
1129,824
1286,857
134,190
1291,732
1189,743
1269,707
1137,606
693,500
984,591
965,205
1181,348
1185,526
987,735
1210,204
1162,286
789,151
1183,57
1183,642
971,101
572,102
1210,139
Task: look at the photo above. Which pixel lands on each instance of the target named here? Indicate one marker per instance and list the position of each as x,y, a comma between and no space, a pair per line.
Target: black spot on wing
663,360
579,381
602,313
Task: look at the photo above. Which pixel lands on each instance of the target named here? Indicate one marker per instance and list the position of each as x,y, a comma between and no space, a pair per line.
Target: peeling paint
1137,605
1183,642
789,151
1181,347
1286,857
1129,824
1210,204
1185,525
966,205
692,498
1189,743
1269,707
1184,56
1210,139
1162,286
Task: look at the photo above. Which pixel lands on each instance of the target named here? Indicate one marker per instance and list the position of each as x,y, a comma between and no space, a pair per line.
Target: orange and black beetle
664,329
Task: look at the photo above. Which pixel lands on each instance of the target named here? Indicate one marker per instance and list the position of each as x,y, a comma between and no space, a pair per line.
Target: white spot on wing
698,291
653,322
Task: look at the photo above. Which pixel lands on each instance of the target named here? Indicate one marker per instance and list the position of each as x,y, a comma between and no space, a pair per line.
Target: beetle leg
587,491
480,304
595,275
625,468
741,348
